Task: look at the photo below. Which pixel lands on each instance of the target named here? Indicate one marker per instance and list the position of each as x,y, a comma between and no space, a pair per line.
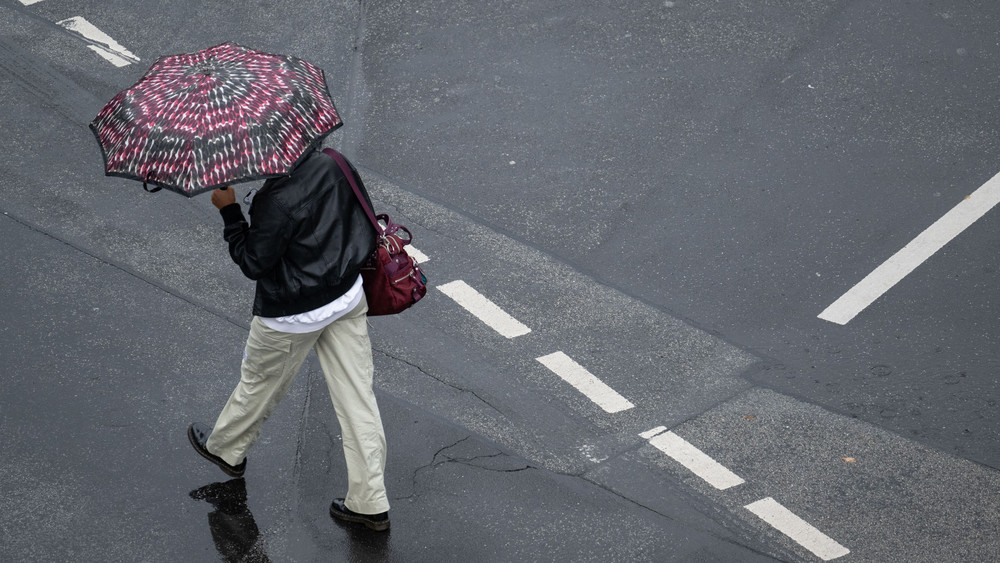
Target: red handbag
393,280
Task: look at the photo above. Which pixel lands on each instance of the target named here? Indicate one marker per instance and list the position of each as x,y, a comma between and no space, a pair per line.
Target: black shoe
198,434
377,522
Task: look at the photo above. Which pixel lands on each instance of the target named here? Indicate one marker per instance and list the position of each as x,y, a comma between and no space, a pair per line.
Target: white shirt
311,321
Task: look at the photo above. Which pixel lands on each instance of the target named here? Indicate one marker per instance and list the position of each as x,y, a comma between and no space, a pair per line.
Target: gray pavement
667,192
737,165
103,371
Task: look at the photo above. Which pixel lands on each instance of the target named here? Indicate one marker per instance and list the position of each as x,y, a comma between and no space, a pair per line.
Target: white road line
697,461
420,257
30,2
100,42
484,309
585,382
653,432
913,254
786,522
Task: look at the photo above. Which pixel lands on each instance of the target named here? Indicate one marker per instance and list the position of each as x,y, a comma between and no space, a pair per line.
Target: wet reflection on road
234,530
237,537
365,544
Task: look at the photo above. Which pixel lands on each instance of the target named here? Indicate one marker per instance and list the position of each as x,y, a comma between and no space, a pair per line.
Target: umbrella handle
152,191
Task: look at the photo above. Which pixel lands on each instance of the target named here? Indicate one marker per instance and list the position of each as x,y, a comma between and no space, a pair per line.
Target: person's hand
222,197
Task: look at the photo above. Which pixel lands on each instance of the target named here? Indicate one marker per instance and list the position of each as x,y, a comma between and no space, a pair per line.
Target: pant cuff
371,507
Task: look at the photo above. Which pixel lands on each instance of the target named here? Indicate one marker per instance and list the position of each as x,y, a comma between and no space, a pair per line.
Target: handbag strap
354,186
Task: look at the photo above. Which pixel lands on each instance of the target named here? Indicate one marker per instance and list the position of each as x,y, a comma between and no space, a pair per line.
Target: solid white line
585,382
105,46
484,309
913,254
786,522
697,461
30,2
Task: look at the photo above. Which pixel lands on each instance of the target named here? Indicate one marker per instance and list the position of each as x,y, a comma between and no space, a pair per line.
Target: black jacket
306,241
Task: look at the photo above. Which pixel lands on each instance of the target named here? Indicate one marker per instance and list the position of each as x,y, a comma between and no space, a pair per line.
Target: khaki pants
273,359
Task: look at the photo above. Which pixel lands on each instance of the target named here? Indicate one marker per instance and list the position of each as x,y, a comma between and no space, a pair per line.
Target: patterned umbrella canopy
198,121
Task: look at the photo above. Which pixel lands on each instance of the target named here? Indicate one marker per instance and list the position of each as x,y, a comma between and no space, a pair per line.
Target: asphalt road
740,166
667,193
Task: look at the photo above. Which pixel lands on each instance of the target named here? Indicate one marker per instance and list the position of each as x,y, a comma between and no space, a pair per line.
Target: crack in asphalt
440,380
300,439
466,461
470,462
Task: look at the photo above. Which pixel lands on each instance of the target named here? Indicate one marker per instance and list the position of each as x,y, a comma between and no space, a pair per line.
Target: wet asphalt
97,466
667,192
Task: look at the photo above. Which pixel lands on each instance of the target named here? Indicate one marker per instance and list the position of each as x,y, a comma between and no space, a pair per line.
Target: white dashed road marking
484,309
650,433
420,257
913,254
786,522
100,42
697,461
585,382
675,447
30,2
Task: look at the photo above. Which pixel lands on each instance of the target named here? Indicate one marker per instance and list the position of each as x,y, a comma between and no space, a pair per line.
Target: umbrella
227,114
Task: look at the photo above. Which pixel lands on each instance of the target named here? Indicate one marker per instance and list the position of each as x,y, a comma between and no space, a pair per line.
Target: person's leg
345,355
271,362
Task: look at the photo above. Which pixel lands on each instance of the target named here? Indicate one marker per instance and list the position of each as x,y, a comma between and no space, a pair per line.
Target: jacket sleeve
256,248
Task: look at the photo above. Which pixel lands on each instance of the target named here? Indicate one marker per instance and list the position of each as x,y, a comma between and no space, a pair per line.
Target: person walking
304,245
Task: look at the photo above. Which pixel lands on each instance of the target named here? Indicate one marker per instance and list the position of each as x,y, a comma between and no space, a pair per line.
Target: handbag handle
339,158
